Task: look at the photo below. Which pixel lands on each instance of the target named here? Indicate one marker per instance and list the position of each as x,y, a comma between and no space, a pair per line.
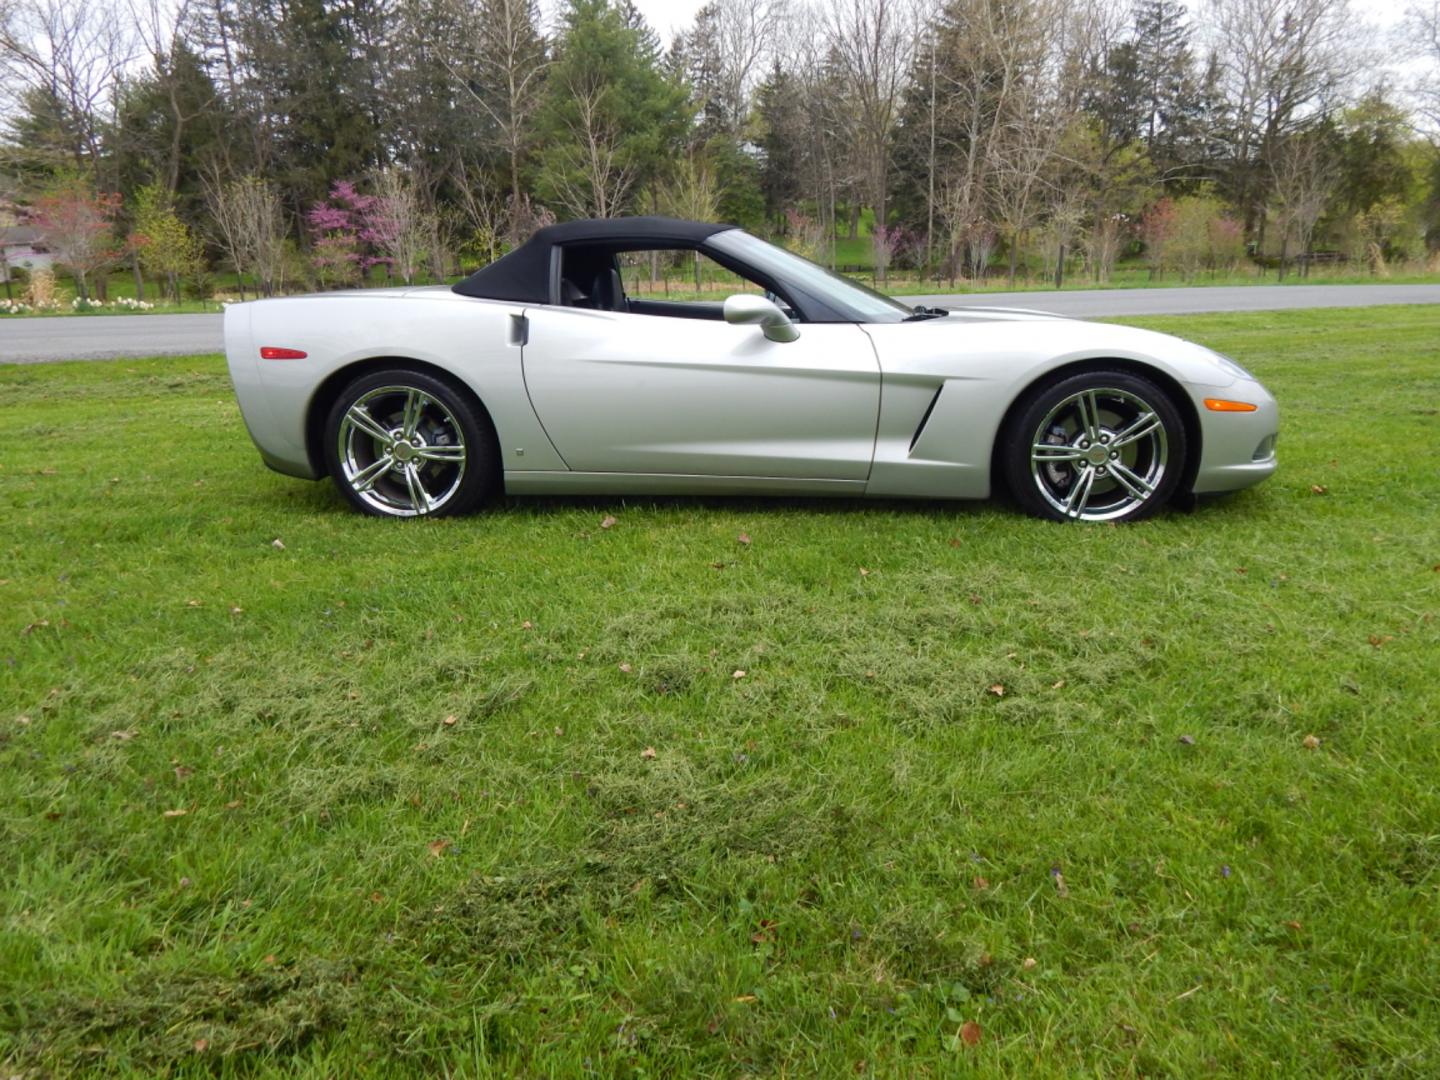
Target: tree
609,117
719,56
78,225
164,244
502,69
1420,37
871,43
340,235
1304,172
249,225
1282,66
398,224
782,122
70,55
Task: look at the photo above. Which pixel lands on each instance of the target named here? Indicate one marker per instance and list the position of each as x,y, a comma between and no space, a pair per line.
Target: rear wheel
403,443
1097,446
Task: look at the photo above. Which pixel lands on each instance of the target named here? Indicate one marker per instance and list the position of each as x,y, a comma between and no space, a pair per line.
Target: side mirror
748,309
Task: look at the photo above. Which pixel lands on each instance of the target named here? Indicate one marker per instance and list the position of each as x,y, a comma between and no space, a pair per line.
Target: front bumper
1237,448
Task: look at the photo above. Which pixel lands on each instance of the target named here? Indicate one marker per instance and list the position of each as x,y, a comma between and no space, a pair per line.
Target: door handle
519,330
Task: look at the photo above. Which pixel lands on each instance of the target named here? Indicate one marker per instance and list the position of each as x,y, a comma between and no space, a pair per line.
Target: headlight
1231,366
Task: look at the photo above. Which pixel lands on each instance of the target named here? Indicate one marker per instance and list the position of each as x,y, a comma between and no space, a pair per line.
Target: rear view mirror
748,309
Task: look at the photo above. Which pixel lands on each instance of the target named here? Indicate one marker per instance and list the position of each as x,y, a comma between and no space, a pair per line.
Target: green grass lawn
731,787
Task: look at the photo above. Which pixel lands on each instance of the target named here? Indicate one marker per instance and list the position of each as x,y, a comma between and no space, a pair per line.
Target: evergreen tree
610,119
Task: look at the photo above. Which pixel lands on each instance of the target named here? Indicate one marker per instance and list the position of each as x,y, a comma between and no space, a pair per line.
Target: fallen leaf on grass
32,627
981,883
954,542
609,521
744,999
738,674
1058,684
1186,740
201,1045
233,804
1029,963
278,544
625,668
766,933
236,609
648,753
970,1033
437,847
1319,489
1377,640
23,719
449,721
717,566
998,690
183,772
527,625
175,813
864,572
1293,924
743,538
1311,742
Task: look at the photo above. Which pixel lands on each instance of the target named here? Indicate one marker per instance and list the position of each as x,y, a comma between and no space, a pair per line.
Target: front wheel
405,444
1097,446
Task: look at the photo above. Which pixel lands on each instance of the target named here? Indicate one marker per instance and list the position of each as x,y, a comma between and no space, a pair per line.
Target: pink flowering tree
341,235
1158,229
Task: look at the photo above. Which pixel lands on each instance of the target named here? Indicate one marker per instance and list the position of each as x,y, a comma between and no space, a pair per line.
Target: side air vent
926,418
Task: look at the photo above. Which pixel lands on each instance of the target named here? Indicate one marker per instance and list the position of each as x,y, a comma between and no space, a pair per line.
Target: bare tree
1420,40
1284,63
731,42
249,226
73,52
600,174
998,85
501,66
400,225
163,28
1304,173
871,43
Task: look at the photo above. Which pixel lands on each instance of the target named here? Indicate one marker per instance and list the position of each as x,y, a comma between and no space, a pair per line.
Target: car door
644,393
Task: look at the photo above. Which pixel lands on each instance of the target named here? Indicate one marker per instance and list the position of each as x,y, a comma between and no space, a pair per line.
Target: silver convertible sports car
543,373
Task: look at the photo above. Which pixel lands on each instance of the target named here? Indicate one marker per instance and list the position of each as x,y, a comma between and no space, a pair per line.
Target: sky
668,16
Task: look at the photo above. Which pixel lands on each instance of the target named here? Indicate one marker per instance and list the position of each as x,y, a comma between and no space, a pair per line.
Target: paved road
107,337
110,337
1092,303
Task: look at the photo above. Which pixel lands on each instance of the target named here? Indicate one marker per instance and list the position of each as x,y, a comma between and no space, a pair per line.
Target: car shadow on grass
321,498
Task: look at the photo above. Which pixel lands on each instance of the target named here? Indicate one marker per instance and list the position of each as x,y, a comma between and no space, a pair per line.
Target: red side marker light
270,352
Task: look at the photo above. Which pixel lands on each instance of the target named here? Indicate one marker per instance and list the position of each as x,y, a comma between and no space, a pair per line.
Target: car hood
986,342
978,313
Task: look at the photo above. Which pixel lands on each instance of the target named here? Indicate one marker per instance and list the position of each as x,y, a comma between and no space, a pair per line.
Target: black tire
402,443
1122,466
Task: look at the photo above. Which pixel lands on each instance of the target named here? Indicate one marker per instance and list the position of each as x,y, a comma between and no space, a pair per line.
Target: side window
679,276
671,283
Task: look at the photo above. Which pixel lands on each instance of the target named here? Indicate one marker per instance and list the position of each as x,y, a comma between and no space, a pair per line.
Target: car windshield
850,299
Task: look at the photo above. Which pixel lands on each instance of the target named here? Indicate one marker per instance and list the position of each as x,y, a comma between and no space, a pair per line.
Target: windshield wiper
922,312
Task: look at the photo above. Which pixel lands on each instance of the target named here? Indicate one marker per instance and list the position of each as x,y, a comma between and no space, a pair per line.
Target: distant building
23,246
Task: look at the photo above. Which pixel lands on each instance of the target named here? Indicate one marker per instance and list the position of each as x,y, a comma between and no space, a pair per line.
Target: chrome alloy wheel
401,451
1099,454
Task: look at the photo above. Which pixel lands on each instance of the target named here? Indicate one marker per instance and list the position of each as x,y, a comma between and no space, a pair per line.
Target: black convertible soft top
524,274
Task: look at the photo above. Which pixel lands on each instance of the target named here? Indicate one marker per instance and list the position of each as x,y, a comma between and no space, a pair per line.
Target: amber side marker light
270,352
1221,405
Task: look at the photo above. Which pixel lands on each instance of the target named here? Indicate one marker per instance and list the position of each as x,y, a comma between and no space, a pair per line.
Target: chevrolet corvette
543,372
